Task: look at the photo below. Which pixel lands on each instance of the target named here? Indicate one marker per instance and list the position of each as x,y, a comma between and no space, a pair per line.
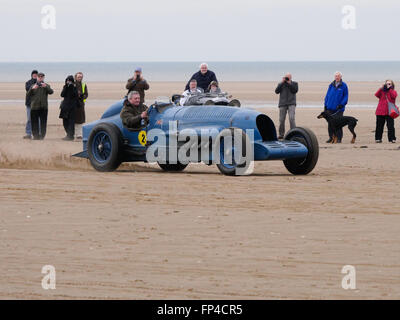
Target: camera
286,79
39,83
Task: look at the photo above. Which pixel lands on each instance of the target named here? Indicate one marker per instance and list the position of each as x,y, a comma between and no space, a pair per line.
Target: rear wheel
234,103
172,167
104,145
303,165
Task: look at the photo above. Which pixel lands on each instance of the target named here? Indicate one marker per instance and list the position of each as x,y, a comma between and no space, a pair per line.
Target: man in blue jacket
203,77
335,102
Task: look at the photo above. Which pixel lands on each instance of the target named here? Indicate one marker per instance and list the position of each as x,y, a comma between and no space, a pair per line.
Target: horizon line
195,61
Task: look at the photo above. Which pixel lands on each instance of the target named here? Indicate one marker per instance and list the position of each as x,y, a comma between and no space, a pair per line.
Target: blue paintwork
213,118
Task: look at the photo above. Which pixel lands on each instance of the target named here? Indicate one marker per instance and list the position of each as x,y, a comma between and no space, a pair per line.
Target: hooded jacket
70,102
337,97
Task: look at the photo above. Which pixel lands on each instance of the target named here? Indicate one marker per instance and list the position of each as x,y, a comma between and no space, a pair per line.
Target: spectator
69,106
38,93
28,85
138,84
193,90
80,116
287,90
214,88
336,99
203,77
384,94
134,113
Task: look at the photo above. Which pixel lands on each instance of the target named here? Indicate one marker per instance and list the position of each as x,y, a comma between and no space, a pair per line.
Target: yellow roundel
142,137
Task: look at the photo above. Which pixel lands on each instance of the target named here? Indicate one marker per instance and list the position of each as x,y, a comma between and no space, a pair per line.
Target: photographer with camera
38,95
287,90
68,107
138,84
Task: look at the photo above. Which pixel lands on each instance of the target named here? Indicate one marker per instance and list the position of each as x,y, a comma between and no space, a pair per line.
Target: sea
226,71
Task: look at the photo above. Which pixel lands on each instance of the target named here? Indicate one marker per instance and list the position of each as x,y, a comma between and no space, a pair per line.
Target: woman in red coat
384,94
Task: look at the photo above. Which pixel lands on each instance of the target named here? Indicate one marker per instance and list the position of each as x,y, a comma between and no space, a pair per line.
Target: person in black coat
203,77
68,107
28,85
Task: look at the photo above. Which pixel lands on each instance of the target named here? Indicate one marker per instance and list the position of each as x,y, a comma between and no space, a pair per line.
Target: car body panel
203,120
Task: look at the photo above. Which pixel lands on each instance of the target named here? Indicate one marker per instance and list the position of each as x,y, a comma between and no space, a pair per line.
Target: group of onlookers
72,109
75,93
335,103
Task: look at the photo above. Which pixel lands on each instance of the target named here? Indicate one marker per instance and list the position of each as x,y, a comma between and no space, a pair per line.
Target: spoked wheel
209,103
226,154
104,145
234,103
303,165
172,167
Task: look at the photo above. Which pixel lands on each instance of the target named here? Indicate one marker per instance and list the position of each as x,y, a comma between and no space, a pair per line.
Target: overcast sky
196,30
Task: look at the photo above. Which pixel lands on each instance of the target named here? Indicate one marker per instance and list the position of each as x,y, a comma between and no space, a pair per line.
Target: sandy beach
140,233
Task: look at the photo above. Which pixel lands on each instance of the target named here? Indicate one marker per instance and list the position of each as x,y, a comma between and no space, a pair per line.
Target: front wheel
104,145
305,165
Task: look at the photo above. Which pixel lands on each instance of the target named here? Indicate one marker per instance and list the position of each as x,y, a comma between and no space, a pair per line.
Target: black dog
337,122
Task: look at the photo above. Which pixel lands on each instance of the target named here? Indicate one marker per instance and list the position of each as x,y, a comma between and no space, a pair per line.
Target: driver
193,89
133,111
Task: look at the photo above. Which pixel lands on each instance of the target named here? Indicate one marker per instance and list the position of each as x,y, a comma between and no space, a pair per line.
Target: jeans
28,126
380,123
291,110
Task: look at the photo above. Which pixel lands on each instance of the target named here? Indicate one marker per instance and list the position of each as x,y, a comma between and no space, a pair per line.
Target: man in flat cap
137,83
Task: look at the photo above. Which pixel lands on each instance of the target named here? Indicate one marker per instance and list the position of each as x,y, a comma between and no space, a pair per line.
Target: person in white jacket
193,90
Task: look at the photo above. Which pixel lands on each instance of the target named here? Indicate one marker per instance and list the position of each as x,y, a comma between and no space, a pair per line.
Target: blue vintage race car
107,143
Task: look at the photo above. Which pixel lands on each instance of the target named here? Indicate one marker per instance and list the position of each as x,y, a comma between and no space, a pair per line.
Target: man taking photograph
287,90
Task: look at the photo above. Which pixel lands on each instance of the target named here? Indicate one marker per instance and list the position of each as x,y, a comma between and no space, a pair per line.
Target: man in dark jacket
38,93
335,102
137,83
203,77
287,90
134,112
28,85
